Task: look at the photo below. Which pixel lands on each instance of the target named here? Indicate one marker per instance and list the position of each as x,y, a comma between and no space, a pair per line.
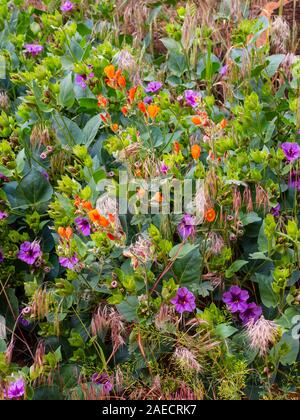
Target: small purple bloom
45,174
184,300
29,252
275,211
236,299
294,180
224,70
104,380
186,227
67,6
164,168
34,49
3,215
15,389
68,262
23,321
291,151
83,225
192,98
1,256
80,80
252,312
153,87
148,100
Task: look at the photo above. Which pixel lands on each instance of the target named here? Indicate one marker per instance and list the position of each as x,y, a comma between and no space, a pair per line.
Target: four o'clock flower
236,299
153,87
29,252
83,225
184,300
67,6
15,389
291,151
33,49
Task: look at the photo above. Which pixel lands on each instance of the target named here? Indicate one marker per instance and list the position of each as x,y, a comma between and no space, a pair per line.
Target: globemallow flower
186,227
29,252
104,380
192,98
83,225
291,151
33,49
252,312
15,390
236,299
261,334
67,6
184,300
69,262
153,87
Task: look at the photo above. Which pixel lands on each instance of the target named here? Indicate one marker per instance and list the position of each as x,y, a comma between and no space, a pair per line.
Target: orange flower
131,94
111,218
77,201
196,120
122,81
196,151
223,123
110,236
65,233
210,215
153,111
142,107
124,110
176,147
96,217
87,205
102,101
110,71
114,127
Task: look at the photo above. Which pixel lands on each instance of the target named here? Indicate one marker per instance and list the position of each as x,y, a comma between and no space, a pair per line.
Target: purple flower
186,227
184,300
148,100
291,151
3,178
15,389
153,87
252,312
67,6
3,215
224,70
1,256
236,299
23,321
294,180
275,211
191,98
45,174
104,380
68,262
34,49
83,225
80,80
164,168
29,252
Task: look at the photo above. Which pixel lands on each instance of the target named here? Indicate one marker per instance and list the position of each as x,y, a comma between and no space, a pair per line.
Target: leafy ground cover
108,287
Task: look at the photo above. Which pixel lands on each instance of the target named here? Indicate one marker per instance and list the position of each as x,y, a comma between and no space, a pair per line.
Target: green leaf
171,44
274,63
249,218
38,95
182,250
128,308
33,190
188,269
177,64
68,131
205,288
88,103
267,294
290,348
224,330
91,129
66,94
259,256
234,268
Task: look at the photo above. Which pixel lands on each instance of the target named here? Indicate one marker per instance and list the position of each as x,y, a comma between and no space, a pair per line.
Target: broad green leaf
225,330
66,94
267,294
188,269
91,129
274,63
177,64
234,268
128,308
171,44
180,251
